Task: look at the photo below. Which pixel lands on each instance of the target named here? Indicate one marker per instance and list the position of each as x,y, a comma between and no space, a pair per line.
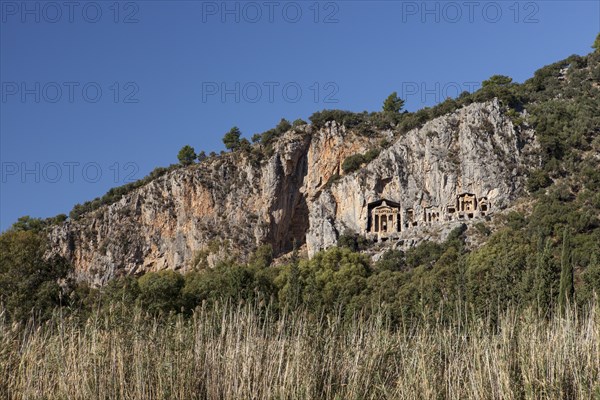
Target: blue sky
96,94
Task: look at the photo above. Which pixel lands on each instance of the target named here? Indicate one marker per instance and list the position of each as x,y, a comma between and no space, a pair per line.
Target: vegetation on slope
516,267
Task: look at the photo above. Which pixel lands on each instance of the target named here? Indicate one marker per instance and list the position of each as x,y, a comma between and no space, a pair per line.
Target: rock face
228,205
455,168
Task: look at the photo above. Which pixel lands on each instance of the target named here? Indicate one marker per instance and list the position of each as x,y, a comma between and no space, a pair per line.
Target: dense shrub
352,241
27,223
370,155
269,136
347,118
332,279
160,291
353,163
391,260
510,269
298,122
538,179
262,257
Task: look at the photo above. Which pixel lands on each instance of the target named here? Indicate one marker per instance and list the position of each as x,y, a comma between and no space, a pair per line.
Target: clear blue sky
172,73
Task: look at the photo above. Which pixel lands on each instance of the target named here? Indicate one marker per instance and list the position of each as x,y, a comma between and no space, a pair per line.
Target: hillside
297,196
293,192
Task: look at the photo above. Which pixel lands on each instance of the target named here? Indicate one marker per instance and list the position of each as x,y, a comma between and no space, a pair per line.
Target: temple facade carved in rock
387,219
384,217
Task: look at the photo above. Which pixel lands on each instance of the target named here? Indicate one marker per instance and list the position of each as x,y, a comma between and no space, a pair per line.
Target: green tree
298,122
501,87
335,277
566,273
245,145
231,140
591,280
26,223
262,257
201,156
256,138
283,126
160,291
29,281
353,241
59,219
426,253
228,281
186,155
294,288
393,104
596,45
391,260
545,277
538,179
497,80
124,290
495,270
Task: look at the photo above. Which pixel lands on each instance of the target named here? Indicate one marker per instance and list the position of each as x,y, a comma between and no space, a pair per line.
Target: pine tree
393,104
231,140
186,155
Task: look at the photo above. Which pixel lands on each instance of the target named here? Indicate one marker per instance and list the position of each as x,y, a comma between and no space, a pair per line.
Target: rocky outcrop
294,197
225,206
475,151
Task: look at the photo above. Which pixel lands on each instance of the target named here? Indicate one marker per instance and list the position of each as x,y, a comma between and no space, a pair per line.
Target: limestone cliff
475,152
228,205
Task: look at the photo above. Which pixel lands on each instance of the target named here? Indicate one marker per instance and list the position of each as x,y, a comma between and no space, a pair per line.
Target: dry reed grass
228,352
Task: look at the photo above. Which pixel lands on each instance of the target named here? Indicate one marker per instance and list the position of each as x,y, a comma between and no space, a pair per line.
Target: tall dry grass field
247,353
